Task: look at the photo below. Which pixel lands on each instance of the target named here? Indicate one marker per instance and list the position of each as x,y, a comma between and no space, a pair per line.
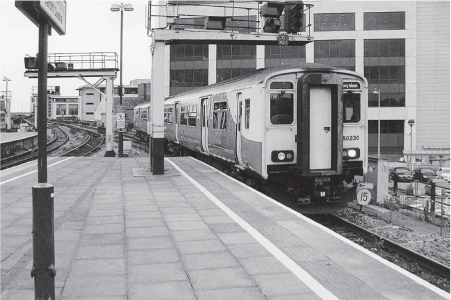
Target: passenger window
351,109
168,114
247,113
192,115
282,108
220,115
183,119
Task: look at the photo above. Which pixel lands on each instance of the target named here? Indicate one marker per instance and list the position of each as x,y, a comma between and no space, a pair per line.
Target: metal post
121,137
43,270
7,105
379,125
109,117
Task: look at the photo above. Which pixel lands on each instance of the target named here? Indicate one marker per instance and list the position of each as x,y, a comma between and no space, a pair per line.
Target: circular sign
363,197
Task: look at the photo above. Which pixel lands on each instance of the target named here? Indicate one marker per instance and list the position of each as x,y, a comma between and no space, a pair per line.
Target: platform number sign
121,120
363,197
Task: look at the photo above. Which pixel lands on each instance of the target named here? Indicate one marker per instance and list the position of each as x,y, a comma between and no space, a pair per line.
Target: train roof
142,105
261,75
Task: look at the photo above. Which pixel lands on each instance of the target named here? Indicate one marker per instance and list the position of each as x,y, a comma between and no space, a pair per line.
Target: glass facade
283,55
384,21
188,67
385,70
334,22
234,61
337,53
392,136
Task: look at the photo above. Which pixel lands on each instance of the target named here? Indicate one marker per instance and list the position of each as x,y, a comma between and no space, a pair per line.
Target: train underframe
313,194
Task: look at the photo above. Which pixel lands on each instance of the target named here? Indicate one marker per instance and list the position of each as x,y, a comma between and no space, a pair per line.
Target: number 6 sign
363,197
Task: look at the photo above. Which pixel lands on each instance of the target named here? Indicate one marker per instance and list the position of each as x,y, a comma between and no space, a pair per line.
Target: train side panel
189,124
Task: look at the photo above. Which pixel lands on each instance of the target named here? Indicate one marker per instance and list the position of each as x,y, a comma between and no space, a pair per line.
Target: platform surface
7,137
192,233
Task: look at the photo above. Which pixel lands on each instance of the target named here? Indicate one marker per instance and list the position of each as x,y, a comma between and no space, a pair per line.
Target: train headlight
351,153
282,156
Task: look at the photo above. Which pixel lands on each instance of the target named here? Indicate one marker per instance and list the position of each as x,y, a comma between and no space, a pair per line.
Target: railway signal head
271,13
293,16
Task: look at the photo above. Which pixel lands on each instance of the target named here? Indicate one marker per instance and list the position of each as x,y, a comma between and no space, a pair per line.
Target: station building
401,47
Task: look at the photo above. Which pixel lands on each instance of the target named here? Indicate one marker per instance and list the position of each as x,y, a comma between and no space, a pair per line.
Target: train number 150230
351,138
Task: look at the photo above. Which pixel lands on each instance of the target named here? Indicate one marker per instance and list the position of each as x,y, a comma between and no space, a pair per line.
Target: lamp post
411,122
7,105
121,8
378,93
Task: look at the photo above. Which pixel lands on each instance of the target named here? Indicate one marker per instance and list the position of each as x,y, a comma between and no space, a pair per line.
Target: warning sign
121,120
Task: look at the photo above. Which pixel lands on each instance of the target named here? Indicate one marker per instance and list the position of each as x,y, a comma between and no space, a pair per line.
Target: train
302,127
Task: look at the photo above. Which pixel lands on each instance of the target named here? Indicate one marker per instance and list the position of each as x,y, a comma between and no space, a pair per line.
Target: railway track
59,139
60,145
430,270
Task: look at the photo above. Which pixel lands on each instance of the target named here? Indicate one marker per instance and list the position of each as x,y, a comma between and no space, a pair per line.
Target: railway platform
192,233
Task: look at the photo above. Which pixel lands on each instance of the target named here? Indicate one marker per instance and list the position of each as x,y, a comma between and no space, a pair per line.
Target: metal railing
79,61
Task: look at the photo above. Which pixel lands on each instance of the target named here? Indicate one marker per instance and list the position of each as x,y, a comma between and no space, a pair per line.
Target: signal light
215,23
272,26
31,62
293,16
271,13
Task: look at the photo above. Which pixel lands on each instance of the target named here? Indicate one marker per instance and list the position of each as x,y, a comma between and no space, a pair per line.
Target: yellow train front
303,128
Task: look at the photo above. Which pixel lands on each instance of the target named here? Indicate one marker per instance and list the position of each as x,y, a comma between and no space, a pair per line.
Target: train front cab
306,149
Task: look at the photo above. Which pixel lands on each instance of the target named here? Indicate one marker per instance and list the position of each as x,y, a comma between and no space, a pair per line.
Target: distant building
93,103
63,106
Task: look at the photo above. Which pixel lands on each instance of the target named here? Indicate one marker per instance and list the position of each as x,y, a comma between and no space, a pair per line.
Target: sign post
43,14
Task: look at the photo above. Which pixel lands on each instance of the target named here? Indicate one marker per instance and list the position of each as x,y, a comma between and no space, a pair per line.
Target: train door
321,128
204,130
176,121
238,130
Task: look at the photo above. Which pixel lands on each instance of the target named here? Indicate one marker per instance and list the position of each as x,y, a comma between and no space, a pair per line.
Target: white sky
90,27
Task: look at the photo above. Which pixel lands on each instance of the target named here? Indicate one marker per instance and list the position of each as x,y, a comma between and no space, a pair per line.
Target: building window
188,67
283,55
220,115
392,136
90,113
338,53
385,70
334,22
61,109
384,21
89,94
89,103
130,91
234,61
73,109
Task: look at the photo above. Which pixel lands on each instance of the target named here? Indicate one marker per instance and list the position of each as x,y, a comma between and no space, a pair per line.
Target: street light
411,123
121,8
7,105
378,93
